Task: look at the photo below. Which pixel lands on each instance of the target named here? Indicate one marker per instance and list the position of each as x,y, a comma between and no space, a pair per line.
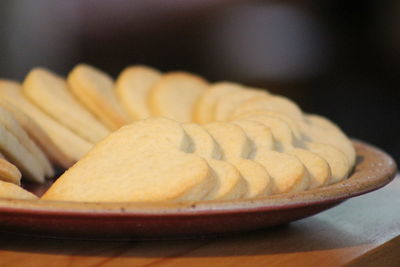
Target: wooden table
363,231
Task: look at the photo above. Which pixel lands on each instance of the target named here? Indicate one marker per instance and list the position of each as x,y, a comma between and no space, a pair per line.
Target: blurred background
334,57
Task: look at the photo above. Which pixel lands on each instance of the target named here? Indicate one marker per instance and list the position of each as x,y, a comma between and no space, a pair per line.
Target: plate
125,221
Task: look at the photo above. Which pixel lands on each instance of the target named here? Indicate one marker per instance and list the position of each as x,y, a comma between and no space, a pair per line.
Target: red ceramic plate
374,169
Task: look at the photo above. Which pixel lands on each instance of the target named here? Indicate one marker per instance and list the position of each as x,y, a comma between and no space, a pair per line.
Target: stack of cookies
150,137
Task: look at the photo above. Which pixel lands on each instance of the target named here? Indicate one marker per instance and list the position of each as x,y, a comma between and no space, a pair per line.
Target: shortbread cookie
12,191
161,130
317,167
230,184
229,102
9,172
205,107
71,144
50,93
17,154
294,127
133,87
95,90
322,130
203,144
257,177
237,148
130,165
269,103
39,136
10,123
175,95
336,159
232,139
294,177
287,171
259,135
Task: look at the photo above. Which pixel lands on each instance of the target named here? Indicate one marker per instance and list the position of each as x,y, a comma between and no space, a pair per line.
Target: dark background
335,57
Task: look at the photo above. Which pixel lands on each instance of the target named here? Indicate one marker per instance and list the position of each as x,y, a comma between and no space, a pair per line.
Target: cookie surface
133,87
71,144
205,106
39,136
270,103
95,90
131,166
11,124
50,93
238,149
20,156
9,172
228,103
322,130
230,183
12,191
175,95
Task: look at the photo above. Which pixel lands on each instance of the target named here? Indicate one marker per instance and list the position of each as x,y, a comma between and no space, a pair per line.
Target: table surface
363,231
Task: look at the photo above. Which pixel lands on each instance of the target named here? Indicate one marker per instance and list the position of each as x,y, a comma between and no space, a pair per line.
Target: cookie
175,95
12,191
229,102
205,107
39,136
337,161
50,93
141,162
237,149
269,103
95,90
11,124
133,87
68,142
318,169
322,130
9,172
16,153
230,184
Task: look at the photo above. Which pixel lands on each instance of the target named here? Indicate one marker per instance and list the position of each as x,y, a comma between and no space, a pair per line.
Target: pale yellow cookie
269,103
336,159
259,135
287,171
229,102
293,125
203,144
232,139
230,184
11,124
237,149
131,165
95,90
71,144
50,93
175,95
9,172
264,142
258,179
39,136
205,107
17,154
322,130
133,87
318,169
12,191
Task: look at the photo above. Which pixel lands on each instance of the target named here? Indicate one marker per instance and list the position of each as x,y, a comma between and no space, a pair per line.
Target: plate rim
376,170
